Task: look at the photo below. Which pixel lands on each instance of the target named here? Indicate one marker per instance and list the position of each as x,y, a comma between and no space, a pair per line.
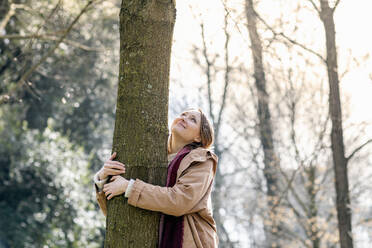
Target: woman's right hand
111,168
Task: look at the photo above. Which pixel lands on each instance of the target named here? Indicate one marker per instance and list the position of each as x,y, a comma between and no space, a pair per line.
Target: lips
180,123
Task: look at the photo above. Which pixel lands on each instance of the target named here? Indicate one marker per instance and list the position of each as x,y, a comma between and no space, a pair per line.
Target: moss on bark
140,135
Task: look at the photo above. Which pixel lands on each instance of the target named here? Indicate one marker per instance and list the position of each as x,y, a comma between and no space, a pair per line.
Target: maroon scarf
171,227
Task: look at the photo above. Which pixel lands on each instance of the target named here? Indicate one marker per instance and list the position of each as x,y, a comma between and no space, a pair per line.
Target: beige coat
189,198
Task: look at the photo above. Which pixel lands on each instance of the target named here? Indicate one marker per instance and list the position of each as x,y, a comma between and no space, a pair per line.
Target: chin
180,134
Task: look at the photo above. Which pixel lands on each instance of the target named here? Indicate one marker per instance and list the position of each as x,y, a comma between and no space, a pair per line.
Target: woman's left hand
118,185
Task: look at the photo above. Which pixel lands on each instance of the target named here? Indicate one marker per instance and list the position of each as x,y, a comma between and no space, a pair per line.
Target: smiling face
187,126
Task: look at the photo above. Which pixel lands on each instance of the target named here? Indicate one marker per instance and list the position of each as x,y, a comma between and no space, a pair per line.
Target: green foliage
45,196
55,126
75,86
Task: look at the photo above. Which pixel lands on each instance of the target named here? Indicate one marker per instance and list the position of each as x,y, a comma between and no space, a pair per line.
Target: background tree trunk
141,126
338,151
271,161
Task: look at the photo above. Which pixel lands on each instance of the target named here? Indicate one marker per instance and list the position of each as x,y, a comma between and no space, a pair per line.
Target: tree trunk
312,215
271,161
141,125
338,153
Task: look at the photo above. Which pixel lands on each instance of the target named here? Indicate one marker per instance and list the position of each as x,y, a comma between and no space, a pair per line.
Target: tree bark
338,153
271,161
312,215
141,125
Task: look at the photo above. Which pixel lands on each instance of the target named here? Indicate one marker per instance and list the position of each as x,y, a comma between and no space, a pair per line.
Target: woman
187,217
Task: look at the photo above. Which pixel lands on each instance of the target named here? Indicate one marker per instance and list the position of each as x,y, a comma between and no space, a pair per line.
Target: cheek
195,130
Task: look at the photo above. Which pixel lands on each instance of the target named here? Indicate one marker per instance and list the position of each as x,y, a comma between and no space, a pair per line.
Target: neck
174,144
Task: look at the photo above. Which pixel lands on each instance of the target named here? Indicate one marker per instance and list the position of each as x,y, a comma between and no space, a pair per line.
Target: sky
354,41
353,38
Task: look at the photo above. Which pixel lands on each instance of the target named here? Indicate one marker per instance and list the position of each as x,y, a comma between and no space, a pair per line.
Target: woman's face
187,126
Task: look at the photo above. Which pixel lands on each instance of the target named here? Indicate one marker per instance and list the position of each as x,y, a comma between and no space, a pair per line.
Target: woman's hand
111,168
118,185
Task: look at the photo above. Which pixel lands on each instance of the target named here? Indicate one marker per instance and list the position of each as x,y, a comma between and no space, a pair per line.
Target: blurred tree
76,75
55,86
140,136
325,11
338,150
271,159
39,199
216,108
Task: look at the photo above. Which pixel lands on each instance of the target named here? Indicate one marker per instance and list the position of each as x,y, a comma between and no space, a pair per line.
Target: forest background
58,81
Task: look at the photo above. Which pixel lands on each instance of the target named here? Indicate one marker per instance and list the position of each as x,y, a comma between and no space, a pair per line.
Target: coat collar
197,155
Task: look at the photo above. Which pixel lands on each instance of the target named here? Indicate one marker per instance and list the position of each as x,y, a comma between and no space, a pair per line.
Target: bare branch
292,235
22,80
208,74
314,5
227,72
289,39
358,149
45,20
28,36
51,37
335,6
27,47
11,12
285,191
293,190
7,17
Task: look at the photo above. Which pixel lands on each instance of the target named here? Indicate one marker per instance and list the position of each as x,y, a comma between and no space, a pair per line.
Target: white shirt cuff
129,188
98,182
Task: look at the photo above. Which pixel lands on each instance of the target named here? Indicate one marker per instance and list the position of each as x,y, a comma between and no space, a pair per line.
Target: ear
197,139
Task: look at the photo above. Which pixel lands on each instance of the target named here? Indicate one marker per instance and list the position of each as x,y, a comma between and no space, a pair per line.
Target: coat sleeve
101,199
178,200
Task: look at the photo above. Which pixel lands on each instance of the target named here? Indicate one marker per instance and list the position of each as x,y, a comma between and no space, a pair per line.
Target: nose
183,119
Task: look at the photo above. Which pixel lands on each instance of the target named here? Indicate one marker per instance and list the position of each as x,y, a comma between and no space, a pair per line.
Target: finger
114,163
114,172
114,178
113,166
106,186
113,156
110,168
110,196
107,167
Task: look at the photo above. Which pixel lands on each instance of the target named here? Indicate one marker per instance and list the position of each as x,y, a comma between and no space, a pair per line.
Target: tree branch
289,39
335,6
22,80
50,37
208,74
314,5
358,149
226,71
11,12
7,17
